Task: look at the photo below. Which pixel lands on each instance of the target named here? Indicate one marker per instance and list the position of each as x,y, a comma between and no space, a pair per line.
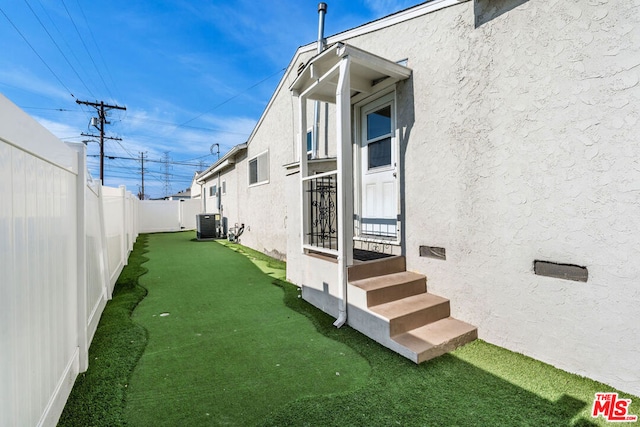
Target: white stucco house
490,147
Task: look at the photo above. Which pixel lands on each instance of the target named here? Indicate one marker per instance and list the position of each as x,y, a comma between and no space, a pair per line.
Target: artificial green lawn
226,351
239,347
97,398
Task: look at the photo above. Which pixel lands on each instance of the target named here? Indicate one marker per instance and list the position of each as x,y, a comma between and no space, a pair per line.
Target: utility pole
102,109
142,173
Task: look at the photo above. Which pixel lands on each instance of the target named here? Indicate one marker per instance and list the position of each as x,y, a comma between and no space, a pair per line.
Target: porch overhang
340,75
367,72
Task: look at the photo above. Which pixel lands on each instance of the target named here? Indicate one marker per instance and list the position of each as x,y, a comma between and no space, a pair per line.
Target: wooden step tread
380,282
404,306
437,338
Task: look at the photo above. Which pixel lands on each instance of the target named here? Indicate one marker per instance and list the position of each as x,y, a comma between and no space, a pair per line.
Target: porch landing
392,306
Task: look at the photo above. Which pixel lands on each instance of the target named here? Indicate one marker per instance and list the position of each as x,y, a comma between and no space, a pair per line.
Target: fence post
123,231
81,257
107,291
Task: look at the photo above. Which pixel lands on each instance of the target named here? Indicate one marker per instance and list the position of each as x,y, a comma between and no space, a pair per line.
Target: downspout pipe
315,141
344,190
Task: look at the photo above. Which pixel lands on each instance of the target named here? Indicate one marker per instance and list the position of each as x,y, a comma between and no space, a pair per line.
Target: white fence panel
98,280
189,209
38,246
58,265
119,237
156,216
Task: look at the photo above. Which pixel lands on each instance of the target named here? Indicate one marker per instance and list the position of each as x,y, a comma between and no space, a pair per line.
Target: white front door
379,205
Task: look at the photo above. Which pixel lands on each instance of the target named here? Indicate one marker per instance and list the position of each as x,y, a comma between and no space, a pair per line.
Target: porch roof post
304,169
345,184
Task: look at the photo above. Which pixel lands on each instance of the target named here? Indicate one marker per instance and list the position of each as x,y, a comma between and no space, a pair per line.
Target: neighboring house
182,195
493,146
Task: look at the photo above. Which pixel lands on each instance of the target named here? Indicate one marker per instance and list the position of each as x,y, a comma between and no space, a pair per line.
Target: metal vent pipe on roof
315,151
322,11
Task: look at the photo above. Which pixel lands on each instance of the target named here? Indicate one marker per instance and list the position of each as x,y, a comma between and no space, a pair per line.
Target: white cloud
25,80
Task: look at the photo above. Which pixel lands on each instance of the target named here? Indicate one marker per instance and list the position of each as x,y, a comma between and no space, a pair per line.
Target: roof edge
213,168
386,21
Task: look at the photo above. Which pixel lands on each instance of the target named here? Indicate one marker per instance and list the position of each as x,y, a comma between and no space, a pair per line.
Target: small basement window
560,271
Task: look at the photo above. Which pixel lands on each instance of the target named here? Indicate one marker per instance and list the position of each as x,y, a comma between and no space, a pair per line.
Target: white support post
304,170
344,179
104,249
81,258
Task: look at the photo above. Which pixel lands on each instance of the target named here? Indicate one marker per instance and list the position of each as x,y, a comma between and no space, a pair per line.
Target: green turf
97,398
237,350
227,350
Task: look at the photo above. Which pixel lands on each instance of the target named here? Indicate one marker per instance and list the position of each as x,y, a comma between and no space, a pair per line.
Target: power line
97,48
58,47
37,54
86,48
60,33
231,98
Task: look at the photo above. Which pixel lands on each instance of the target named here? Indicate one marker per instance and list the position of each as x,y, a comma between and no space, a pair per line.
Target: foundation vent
561,271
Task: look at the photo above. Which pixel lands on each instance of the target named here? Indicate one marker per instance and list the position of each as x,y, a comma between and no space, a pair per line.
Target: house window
309,142
259,169
224,187
212,191
379,135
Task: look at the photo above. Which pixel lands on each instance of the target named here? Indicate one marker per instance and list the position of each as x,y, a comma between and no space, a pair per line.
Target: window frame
265,156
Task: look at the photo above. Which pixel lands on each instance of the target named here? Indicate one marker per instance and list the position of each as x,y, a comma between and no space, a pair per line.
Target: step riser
419,318
376,268
450,345
396,292
400,315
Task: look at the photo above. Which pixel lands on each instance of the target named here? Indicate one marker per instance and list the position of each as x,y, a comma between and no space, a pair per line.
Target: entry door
378,169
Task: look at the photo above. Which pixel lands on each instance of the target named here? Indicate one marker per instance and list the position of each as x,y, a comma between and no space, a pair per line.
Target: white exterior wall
54,265
263,208
519,141
230,199
524,134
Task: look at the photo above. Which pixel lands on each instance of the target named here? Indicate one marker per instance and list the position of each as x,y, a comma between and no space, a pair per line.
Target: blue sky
190,72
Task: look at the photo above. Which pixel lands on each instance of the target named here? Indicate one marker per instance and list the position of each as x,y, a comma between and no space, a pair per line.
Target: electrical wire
104,63
58,47
36,52
231,98
85,47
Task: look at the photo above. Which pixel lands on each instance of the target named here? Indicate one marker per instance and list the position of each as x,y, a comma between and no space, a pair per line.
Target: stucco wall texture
518,135
519,139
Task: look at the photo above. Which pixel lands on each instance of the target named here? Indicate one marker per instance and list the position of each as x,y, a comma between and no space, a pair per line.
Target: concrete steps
407,318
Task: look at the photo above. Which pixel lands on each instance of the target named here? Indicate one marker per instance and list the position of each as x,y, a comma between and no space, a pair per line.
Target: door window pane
379,153
379,123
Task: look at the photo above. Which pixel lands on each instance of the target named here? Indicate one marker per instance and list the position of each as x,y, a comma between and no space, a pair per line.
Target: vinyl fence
168,215
63,241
